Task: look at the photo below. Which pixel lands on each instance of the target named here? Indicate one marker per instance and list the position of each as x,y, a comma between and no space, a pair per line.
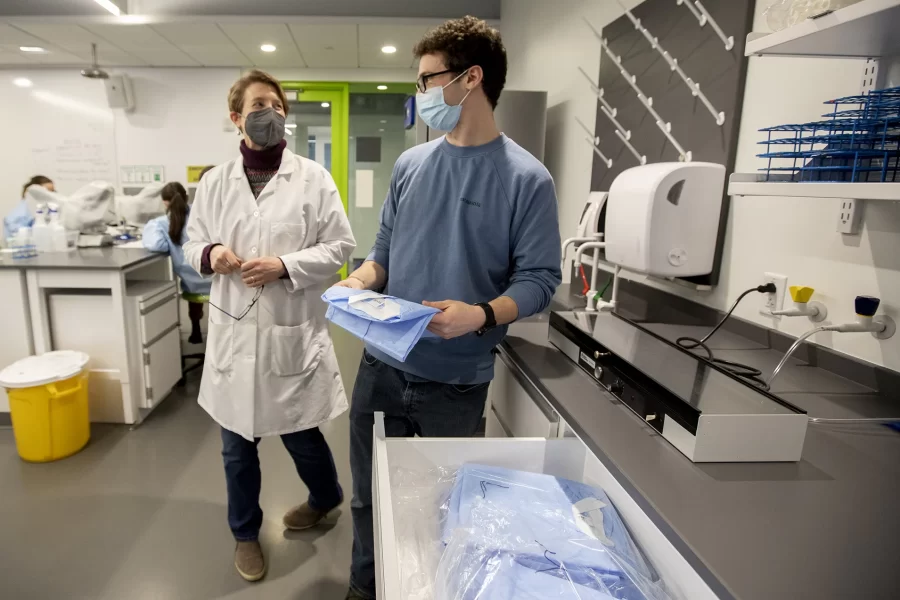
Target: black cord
751,374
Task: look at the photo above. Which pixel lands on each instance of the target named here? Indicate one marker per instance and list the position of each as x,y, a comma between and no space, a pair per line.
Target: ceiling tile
11,39
77,41
250,36
205,43
327,46
10,36
10,55
403,37
143,42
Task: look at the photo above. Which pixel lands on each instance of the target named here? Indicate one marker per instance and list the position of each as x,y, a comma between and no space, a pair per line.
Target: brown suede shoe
249,560
303,517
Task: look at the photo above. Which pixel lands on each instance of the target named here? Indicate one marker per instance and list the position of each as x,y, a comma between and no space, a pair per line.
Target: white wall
179,120
546,43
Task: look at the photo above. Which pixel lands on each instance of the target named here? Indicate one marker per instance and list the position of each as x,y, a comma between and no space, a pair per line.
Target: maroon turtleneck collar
266,159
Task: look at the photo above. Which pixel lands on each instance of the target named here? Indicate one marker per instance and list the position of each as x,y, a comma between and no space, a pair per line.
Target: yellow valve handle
801,293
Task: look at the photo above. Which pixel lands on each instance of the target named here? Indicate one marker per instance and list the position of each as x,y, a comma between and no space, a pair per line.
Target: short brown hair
466,43
236,93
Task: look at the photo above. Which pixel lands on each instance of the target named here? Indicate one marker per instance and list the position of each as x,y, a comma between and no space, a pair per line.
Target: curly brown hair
465,43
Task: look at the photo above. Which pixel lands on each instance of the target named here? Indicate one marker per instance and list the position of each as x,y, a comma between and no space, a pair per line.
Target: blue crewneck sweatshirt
470,224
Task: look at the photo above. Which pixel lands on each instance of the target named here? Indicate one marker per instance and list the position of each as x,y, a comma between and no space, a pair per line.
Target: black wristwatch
490,321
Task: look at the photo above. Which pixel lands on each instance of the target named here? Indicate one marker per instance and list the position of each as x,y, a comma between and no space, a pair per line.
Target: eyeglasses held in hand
259,291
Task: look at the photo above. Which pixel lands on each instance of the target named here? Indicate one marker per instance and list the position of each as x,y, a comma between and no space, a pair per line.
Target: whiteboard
73,135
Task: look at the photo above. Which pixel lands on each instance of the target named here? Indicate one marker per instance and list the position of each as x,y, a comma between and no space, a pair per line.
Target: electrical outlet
849,216
774,301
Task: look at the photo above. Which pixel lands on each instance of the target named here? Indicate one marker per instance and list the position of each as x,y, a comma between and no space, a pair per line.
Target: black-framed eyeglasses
246,311
422,81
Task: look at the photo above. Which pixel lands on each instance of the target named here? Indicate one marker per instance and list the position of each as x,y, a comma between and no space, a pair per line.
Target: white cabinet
513,412
151,310
130,383
567,458
15,323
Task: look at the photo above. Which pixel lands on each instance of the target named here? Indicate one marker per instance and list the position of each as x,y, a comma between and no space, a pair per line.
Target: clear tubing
792,349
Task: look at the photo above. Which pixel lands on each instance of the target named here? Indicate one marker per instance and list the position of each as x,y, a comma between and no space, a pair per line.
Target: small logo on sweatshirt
470,202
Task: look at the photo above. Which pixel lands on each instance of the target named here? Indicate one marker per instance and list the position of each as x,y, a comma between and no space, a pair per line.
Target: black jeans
411,407
314,463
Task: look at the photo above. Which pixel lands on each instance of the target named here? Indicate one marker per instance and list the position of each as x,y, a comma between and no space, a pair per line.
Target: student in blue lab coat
21,215
167,234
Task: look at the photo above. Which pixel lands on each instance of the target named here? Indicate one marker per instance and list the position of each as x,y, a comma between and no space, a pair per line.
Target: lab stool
195,313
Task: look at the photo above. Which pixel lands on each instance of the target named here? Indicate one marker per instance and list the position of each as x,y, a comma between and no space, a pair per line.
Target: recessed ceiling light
109,6
383,121
326,104
381,130
289,132
382,87
22,82
31,49
388,49
268,48
290,125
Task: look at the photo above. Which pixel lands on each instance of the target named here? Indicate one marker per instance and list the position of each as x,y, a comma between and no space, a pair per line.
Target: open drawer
567,458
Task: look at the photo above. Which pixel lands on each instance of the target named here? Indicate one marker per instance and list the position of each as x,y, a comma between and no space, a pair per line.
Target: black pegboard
721,74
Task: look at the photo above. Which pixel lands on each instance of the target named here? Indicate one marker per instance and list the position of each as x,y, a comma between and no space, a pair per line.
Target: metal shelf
868,29
753,184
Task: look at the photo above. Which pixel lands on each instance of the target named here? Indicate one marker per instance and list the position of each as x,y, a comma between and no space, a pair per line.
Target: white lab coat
274,371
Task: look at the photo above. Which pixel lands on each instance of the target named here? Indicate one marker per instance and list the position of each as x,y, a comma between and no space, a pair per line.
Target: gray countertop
825,527
108,258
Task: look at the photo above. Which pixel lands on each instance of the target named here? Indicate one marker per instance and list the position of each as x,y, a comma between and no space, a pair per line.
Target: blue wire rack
858,141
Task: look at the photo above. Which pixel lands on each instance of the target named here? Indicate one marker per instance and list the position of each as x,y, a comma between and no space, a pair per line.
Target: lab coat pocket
286,238
296,350
220,346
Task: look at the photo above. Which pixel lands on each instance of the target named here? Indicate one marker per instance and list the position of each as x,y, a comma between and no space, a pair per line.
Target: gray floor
141,514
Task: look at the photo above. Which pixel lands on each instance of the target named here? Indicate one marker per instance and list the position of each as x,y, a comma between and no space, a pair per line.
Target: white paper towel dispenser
663,218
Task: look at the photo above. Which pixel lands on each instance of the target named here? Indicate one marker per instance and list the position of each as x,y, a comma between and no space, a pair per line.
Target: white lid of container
43,369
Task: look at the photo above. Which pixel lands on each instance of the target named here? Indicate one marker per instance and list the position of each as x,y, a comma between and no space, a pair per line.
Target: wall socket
774,301
849,216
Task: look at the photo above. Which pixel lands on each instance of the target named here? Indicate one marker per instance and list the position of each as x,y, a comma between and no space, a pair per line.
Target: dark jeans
314,463
411,407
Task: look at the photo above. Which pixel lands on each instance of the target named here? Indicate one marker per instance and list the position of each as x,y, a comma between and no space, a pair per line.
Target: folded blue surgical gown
550,526
390,324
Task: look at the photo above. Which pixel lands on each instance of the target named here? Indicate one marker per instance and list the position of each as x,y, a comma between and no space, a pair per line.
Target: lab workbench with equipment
749,529
118,305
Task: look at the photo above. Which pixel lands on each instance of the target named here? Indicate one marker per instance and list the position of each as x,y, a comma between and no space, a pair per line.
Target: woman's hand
223,261
260,271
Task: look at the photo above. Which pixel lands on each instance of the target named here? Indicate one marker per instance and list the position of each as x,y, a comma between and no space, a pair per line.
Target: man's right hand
351,282
223,261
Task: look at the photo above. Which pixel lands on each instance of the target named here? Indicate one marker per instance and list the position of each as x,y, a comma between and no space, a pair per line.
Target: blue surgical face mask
435,111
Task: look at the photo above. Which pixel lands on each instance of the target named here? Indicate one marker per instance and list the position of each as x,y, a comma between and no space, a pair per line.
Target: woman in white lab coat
270,230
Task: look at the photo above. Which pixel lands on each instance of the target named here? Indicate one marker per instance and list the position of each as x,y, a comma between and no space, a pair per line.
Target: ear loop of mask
454,81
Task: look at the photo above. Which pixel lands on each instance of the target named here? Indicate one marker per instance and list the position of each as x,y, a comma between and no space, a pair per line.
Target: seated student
22,215
167,234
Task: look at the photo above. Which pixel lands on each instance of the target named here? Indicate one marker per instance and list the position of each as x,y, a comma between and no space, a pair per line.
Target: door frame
338,95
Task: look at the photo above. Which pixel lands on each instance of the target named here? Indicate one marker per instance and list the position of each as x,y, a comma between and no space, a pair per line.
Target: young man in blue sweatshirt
470,227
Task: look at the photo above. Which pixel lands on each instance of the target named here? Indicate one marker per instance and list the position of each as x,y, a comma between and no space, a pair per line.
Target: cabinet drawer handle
156,305
161,335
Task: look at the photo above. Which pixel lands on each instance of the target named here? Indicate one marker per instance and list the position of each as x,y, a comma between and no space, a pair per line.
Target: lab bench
824,527
118,305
